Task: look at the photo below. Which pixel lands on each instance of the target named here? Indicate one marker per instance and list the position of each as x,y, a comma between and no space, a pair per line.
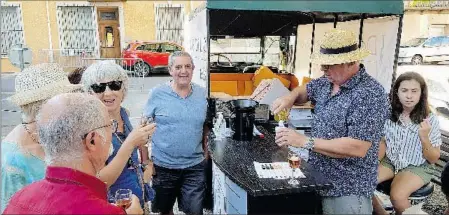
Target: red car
153,55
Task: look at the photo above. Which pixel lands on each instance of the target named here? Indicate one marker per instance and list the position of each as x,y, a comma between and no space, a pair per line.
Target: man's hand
135,207
287,136
284,102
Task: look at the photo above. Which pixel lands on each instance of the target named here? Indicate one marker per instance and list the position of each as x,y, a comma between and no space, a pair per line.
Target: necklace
31,134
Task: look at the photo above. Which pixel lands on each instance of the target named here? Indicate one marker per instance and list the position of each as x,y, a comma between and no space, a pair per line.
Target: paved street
134,101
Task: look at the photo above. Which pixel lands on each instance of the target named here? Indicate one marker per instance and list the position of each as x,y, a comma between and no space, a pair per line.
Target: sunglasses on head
101,87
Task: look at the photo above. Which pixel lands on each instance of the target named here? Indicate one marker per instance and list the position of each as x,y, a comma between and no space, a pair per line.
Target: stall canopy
281,18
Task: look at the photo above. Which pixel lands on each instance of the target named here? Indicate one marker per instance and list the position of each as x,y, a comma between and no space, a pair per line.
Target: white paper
281,170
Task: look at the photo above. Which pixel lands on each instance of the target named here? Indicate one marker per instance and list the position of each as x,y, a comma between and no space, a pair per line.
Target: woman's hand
424,129
148,173
139,136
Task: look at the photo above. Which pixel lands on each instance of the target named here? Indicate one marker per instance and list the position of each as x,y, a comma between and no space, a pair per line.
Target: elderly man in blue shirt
179,108
350,109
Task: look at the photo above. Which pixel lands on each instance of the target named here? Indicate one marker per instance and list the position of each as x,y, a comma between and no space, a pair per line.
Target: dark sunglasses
100,88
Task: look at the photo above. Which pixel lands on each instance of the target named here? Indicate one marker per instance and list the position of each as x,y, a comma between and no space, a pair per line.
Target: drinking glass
123,198
145,120
282,115
295,162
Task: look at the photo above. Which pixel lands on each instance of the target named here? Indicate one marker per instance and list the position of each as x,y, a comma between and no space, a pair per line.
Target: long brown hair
421,110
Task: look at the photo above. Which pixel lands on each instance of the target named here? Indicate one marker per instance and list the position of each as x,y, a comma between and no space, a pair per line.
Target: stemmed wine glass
145,120
295,162
123,198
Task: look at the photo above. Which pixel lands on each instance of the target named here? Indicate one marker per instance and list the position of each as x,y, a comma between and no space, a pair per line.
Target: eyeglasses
113,123
101,87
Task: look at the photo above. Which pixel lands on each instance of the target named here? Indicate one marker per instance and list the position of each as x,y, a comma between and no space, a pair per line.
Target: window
152,47
169,48
169,23
12,28
77,29
433,42
445,41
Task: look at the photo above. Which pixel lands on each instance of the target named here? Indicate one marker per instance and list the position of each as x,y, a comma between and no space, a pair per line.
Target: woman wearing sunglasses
109,82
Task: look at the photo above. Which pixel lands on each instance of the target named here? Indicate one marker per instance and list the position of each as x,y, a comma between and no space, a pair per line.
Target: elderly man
179,109
349,114
75,132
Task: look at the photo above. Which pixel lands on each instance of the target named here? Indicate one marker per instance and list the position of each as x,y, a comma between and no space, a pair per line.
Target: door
431,49
108,29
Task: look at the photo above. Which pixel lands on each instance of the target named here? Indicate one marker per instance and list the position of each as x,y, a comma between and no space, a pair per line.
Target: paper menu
276,170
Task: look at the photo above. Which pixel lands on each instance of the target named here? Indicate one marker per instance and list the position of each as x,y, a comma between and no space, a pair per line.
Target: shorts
187,185
423,171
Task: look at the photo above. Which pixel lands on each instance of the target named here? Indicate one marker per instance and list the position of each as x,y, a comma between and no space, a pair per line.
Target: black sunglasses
101,87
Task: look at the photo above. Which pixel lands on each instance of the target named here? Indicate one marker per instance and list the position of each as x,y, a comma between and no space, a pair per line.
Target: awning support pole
396,54
312,42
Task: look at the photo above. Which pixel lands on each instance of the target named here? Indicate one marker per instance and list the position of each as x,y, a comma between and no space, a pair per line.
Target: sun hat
339,46
40,82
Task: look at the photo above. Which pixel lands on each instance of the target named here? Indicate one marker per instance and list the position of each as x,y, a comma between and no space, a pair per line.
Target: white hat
337,47
40,82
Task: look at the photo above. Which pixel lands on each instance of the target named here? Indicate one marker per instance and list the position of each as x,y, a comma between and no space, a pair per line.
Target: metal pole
361,30
208,50
335,19
396,54
312,42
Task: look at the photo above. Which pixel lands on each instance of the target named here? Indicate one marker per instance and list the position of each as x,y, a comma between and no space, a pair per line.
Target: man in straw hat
76,131
350,110
22,155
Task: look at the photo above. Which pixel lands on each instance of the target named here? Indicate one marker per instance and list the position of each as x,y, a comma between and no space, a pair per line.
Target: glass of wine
123,198
295,162
282,115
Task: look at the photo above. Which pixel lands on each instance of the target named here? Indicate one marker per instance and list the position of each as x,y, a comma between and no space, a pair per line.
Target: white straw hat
337,47
41,82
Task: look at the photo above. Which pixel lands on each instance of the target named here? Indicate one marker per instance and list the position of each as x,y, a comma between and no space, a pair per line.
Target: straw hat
41,82
339,46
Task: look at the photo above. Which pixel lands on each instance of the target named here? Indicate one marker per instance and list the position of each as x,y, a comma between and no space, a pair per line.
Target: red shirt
63,191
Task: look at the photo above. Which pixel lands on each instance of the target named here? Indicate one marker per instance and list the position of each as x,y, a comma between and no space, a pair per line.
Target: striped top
404,146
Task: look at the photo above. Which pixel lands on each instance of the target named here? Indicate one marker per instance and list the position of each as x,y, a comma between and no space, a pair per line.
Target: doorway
108,30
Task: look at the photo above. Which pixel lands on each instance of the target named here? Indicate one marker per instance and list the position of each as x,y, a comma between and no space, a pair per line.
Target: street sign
20,56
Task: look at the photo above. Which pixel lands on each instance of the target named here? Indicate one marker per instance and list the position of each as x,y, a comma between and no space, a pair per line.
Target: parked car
150,57
425,50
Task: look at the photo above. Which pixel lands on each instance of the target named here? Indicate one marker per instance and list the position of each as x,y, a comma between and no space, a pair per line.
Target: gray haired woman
109,82
22,155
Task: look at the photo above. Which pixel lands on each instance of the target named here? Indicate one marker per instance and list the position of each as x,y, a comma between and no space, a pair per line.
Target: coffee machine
242,119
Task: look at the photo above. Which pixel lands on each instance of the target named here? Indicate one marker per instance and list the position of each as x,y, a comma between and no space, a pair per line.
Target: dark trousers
187,185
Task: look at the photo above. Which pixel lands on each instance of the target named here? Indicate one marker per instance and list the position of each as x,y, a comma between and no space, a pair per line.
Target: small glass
282,115
123,198
294,161
145,120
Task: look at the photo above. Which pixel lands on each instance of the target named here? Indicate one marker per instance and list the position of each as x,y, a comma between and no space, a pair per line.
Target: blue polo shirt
177,140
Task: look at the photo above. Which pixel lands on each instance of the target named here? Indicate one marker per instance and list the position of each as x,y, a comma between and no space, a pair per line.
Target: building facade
425,19
96,28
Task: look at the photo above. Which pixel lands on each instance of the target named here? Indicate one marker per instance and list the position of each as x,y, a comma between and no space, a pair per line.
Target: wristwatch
310,143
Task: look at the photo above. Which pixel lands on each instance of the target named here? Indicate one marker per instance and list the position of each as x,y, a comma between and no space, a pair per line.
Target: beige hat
41,82
337,47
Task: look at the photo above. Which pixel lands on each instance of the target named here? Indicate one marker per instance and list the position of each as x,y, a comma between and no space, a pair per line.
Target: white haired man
179,109
75,132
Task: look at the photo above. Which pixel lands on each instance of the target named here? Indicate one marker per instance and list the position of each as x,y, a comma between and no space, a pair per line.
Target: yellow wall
138,16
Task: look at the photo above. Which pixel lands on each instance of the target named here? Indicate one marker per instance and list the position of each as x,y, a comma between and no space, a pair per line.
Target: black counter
235,159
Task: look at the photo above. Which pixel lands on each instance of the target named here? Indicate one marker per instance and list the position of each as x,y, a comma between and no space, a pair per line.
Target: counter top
235,159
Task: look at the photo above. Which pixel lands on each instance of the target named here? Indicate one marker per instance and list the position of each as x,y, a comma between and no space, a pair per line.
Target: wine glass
295,162
123,198
282,115
145,120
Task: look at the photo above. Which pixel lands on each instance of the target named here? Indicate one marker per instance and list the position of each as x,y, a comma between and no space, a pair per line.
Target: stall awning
347,6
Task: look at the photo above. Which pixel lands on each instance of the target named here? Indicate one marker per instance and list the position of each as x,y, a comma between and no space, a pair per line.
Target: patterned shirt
404,147
358,111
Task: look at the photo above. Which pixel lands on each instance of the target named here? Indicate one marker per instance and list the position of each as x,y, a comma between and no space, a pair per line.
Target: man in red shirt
75,132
